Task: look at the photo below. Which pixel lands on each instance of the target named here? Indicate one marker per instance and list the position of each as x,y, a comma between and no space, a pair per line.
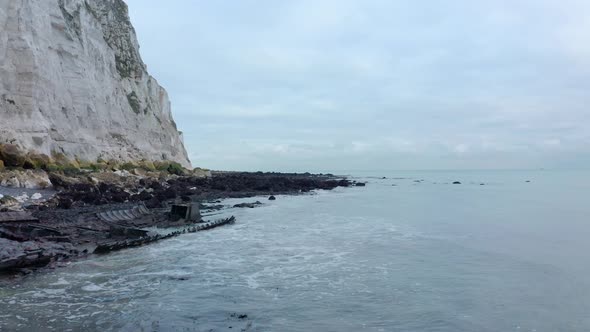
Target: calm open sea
397,255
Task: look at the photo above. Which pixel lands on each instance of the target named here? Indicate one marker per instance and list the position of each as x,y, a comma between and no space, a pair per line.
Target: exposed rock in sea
456,182
72,81
272,198
248,205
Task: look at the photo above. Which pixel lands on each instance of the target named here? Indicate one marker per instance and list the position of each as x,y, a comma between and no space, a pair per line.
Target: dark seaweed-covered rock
248,205
166,194
65,202
272,198
142,197
154,203
456,182
87,189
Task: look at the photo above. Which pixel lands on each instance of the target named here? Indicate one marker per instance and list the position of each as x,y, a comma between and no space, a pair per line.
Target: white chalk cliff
72,81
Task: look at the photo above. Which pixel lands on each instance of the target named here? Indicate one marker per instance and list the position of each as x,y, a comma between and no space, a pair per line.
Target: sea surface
396,255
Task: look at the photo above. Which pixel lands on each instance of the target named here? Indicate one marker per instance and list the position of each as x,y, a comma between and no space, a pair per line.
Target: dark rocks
65,202
262,183
248,205
154,203
456,182
360,184
16,254
272,198
119,196
239,316
142,196
88,190
74,212
344,183
169,193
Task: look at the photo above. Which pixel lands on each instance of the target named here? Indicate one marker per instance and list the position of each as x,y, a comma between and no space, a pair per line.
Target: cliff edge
72,81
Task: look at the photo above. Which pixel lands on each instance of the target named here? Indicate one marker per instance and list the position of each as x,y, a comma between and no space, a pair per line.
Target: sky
314,85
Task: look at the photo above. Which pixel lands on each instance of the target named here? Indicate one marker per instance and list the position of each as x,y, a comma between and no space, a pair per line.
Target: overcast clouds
374,84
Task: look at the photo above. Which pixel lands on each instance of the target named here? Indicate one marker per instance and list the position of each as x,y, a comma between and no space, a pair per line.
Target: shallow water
428,256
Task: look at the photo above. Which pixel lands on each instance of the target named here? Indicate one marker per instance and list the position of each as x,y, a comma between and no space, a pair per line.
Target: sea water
408,252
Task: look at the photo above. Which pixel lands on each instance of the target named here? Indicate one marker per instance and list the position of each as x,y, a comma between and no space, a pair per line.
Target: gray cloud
377,84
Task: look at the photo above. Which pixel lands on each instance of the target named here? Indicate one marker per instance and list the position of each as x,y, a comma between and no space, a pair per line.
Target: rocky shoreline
95,212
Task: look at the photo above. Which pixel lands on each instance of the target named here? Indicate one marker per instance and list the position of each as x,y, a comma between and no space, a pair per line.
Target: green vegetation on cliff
14,158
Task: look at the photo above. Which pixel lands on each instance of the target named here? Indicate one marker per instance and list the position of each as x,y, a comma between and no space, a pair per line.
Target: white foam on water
252,283
76,317
60,282
92,288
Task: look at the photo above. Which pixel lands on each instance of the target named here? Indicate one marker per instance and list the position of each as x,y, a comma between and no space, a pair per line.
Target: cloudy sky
374,84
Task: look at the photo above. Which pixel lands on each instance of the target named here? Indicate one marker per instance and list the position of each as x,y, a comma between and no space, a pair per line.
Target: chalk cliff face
72,81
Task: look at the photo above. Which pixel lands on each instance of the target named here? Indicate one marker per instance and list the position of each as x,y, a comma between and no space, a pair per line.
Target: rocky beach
92,212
